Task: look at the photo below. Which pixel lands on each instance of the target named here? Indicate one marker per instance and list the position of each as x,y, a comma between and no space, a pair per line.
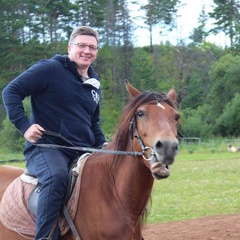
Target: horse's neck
133,182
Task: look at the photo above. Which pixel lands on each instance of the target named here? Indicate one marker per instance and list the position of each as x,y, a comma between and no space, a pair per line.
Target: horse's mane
121,137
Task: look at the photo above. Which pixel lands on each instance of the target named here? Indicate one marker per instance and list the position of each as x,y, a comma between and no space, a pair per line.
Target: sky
187,20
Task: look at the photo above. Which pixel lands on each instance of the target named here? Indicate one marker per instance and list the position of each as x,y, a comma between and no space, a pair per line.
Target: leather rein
132,127
69,145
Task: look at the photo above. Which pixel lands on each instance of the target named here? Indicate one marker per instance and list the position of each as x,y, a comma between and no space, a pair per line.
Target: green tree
199,33
228,122
224,83
90,12
51,19
159,11
227,16
197,64
194,122
10,138
110,106
142,69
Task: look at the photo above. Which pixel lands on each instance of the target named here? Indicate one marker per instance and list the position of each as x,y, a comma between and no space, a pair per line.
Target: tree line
205,76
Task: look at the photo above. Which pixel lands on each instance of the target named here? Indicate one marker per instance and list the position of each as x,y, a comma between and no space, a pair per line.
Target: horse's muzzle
165,152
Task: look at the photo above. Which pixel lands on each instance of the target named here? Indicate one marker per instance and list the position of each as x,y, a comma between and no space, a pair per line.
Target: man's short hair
83,30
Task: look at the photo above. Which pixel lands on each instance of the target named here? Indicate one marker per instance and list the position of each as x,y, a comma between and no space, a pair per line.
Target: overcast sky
187,20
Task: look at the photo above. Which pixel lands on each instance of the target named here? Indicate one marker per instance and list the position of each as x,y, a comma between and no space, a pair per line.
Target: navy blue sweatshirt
60,101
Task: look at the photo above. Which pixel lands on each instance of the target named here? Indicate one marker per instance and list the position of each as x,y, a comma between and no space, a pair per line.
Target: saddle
18,206
33,199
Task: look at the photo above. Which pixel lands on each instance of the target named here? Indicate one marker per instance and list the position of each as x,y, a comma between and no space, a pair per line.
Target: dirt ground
224,227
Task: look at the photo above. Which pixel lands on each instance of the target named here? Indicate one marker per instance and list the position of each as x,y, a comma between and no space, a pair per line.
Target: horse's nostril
159,144
166,146
176,148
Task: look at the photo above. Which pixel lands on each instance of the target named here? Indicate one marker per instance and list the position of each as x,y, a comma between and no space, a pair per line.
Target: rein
85,149
133,125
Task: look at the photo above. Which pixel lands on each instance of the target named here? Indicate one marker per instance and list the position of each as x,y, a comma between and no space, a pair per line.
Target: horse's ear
132,91
172,95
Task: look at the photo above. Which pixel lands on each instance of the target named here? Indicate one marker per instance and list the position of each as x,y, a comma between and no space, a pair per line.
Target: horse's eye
177,117
140,114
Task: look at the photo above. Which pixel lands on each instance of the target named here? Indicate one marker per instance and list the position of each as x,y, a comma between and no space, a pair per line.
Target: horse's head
154,129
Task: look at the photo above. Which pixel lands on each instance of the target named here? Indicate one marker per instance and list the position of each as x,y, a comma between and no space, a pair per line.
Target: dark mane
121,138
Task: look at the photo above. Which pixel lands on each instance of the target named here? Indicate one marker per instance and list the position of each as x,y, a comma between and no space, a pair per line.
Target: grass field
204,180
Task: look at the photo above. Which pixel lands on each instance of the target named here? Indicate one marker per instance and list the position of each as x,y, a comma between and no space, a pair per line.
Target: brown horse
115,189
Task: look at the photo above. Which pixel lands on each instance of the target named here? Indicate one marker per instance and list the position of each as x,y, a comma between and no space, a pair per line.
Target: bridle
132,127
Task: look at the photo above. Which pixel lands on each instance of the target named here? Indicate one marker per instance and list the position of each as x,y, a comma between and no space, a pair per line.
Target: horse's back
7,175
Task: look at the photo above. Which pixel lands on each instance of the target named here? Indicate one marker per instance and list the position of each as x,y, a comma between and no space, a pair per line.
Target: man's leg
51,168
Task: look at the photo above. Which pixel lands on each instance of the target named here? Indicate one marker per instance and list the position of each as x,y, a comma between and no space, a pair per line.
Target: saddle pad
14,213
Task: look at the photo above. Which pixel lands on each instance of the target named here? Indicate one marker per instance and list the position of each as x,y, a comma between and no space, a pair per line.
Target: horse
116,188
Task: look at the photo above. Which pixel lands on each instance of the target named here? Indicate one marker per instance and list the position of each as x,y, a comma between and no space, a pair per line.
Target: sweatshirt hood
67,63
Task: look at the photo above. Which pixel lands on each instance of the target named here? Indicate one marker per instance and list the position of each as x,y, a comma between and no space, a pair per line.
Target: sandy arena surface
224,227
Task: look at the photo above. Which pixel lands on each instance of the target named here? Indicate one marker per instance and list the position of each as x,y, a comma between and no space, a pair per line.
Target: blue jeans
51,168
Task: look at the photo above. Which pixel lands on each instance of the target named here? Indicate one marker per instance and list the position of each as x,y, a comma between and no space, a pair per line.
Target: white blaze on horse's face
160,105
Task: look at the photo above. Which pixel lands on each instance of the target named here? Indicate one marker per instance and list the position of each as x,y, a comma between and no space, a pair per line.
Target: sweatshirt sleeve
17,90
12,100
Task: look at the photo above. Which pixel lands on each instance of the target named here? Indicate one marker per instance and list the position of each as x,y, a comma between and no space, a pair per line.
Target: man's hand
33,133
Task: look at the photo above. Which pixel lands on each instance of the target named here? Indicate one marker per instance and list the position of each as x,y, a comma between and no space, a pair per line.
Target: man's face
83,50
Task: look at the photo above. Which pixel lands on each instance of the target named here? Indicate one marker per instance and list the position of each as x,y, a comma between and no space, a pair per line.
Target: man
64,93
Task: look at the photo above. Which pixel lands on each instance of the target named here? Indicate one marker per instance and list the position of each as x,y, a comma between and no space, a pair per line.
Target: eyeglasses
83,46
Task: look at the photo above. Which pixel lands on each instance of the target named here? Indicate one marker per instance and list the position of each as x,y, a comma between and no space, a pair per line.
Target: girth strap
70,222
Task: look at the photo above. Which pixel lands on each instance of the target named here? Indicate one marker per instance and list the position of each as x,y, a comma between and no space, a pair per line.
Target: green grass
9,156
201,183
12,159
204,180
